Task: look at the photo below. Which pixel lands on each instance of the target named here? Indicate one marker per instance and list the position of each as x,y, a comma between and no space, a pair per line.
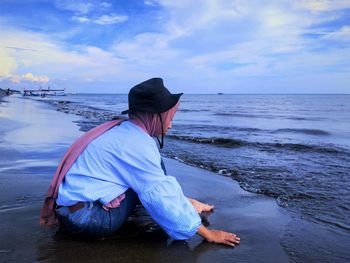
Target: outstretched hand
215,236
222,237
200,207
219,237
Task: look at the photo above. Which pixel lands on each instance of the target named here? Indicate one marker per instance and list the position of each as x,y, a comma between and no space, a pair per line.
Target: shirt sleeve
169,207
160,194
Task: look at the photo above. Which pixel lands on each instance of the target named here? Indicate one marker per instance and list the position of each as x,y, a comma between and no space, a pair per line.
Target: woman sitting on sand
107,170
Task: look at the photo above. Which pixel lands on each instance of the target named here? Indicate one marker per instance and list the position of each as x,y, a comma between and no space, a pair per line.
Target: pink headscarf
150,122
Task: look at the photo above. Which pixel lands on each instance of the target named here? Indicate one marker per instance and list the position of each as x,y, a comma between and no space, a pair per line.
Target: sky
206,46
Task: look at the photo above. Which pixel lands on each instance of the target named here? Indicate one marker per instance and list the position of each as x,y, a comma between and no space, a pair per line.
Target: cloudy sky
204,46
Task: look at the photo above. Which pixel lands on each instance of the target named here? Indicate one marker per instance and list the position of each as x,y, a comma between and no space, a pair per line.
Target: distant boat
44,92
2,93
219,93
7,92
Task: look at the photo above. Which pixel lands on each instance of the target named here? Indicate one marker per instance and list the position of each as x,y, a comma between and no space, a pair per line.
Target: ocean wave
301,147
214,128
88,112
305,118
267,116
244,115
264,146
192,110
303,131
225,142
332,222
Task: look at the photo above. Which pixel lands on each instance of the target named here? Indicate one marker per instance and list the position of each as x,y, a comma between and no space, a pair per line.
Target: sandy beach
33,138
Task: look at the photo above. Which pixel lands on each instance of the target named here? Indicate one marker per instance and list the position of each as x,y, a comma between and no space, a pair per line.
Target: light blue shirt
127,157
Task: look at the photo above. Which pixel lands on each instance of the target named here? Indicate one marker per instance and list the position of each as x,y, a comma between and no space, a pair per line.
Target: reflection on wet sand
133,243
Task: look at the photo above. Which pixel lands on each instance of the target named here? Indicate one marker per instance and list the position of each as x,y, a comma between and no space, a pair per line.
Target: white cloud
28,77
105,5
31,77
110,19
81,19
343,34
51,60
322,5
7,63
151,2
80,7
191,16
101,20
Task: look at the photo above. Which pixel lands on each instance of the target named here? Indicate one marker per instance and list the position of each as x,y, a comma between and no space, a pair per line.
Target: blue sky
203,46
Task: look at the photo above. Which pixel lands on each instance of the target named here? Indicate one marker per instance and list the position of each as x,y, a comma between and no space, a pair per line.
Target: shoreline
35,146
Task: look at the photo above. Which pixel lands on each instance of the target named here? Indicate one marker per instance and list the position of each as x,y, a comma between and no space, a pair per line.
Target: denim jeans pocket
74,222
91,221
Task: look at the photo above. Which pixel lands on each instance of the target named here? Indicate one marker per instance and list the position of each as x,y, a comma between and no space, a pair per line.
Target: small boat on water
8,92
44,92
2,93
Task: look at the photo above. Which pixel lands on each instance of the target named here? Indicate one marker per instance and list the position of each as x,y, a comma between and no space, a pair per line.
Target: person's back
100,171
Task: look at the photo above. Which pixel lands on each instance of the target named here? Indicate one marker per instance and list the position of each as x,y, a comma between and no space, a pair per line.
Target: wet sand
33,138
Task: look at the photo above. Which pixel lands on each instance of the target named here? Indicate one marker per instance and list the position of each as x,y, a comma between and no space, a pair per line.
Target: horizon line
218,93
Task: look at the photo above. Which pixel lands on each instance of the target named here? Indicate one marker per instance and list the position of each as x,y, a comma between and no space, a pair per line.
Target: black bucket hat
151,96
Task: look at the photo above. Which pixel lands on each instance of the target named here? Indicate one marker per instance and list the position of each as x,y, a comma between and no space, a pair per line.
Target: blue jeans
92,221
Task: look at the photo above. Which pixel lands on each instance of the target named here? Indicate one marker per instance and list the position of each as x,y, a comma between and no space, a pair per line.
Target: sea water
295,148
